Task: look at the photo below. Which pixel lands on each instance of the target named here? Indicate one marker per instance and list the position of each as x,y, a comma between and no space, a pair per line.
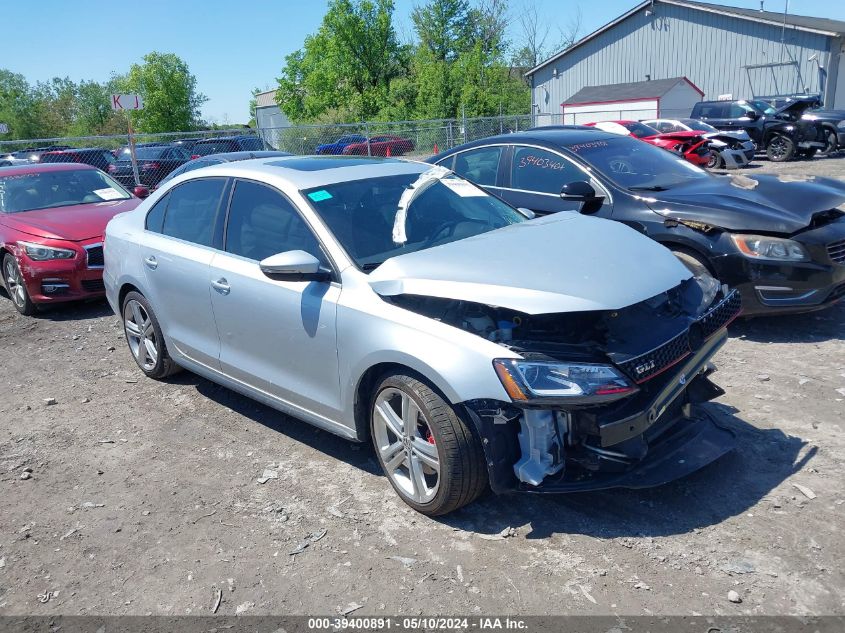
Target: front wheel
430,455
780,148
831,143
16,287
143,334
714,161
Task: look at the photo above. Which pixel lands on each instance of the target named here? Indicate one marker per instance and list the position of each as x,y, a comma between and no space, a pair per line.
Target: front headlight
773,248
526,380
40,253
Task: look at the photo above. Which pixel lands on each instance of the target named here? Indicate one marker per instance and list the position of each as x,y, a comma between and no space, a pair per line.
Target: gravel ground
143,497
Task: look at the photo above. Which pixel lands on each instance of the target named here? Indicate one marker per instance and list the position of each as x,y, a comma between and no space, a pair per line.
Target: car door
536,176
182,230
276,336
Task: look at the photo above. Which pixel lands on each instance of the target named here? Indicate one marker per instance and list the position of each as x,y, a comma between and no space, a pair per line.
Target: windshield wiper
370,266
649,188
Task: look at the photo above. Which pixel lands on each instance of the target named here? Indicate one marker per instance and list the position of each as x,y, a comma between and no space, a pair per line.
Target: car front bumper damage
652,438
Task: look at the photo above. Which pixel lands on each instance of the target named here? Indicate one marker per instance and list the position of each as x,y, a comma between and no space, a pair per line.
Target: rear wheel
780,148
715,161
15,286
429,454
143,334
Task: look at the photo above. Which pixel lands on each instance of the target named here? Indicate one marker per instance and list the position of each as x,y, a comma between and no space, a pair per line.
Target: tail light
148,166
112,168
193,156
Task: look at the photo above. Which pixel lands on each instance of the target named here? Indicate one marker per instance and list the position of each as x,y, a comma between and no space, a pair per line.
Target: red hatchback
52,220
693,146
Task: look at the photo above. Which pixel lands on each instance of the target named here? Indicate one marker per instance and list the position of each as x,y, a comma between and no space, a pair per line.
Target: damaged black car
779,240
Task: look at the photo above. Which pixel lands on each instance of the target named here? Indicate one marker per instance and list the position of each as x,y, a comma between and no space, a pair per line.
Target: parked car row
357,145
532,312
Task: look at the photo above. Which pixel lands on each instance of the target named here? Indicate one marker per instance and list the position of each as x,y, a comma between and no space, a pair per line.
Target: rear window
251,144
143,153
59,158
204,148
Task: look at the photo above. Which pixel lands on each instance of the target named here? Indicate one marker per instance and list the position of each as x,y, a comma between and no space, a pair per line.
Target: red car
693,146
52,220
380,145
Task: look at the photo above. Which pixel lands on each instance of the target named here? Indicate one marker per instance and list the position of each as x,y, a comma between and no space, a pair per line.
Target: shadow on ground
824,325
763,459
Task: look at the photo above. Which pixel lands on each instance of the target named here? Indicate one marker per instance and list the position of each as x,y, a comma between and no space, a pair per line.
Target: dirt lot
143,497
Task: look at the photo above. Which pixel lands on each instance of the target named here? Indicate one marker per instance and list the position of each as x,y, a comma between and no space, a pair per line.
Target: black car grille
648,365
93,285
836,250
95,256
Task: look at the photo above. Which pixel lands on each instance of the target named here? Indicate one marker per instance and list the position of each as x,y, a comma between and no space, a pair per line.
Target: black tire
463,471
715,161
17,293
695,263
160,367
780,148
831,143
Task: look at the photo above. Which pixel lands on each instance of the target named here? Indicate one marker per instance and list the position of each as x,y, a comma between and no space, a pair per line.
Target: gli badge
682,380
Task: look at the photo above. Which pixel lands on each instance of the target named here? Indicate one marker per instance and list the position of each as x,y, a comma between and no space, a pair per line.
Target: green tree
17,106
443,27
169,90
347,65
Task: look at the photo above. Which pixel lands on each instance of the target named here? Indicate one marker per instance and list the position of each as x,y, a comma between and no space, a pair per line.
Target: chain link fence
156,156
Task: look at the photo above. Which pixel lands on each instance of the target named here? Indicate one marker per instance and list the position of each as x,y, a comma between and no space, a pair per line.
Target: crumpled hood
763,203
75,223
560,263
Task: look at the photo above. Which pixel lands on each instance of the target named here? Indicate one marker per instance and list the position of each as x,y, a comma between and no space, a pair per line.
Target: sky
232,48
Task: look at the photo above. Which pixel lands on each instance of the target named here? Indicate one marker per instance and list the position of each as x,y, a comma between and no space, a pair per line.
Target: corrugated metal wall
708,48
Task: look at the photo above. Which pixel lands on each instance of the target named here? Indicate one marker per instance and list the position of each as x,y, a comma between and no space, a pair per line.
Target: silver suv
390,300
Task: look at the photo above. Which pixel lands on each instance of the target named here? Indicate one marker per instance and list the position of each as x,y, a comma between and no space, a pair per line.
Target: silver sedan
390,300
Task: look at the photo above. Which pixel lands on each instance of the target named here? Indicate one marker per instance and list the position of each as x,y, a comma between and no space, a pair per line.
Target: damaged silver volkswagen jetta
392,300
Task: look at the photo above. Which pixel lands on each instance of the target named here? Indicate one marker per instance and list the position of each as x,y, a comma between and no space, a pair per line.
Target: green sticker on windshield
319,196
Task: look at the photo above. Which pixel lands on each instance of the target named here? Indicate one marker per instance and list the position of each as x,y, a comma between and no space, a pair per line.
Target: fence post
132,156
367,134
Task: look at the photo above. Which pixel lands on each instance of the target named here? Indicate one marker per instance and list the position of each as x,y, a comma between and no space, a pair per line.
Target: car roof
245,155
74,150
552,135
306,172
226,138
37,168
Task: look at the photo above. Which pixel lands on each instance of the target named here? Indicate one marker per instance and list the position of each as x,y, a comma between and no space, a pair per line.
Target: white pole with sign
4,129
126,103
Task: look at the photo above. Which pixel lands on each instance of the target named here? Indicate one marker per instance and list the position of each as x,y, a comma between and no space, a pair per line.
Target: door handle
151,262
221,286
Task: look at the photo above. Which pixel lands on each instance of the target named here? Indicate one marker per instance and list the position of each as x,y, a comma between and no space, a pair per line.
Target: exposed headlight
526,380
775,248
810,117
40,253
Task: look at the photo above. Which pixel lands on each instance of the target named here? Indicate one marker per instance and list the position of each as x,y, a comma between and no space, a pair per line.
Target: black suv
781,134
224,144
809,108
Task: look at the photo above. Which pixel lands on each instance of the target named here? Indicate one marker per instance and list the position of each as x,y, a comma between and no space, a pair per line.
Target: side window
479,165
262,222
736,111
448,162
538,170
155,216
193,209
711,110
668,126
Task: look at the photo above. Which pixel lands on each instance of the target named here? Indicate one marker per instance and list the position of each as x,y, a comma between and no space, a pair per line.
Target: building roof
628,91
823,26
265,99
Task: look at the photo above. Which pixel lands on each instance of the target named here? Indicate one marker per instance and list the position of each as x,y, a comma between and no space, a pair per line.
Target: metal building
267,114
727,52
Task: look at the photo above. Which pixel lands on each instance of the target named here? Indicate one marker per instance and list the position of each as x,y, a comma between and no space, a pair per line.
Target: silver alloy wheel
404,440
140,334
14,283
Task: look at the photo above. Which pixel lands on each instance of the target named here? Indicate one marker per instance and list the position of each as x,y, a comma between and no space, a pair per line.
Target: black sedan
216,159
780,240
154,163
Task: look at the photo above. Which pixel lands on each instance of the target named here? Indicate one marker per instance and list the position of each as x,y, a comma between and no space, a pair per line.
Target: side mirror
752,114
583,192
141,192
528,213
294,266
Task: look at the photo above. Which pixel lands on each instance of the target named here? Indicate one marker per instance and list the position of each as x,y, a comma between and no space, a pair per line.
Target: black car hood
760,203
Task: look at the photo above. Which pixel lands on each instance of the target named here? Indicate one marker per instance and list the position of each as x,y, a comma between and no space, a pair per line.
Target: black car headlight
40,253
770,248
528,380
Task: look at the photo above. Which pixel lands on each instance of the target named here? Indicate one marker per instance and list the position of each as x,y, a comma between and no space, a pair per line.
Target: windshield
635,165
204,148
640,129
379,218
49,189
762,107
698,126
